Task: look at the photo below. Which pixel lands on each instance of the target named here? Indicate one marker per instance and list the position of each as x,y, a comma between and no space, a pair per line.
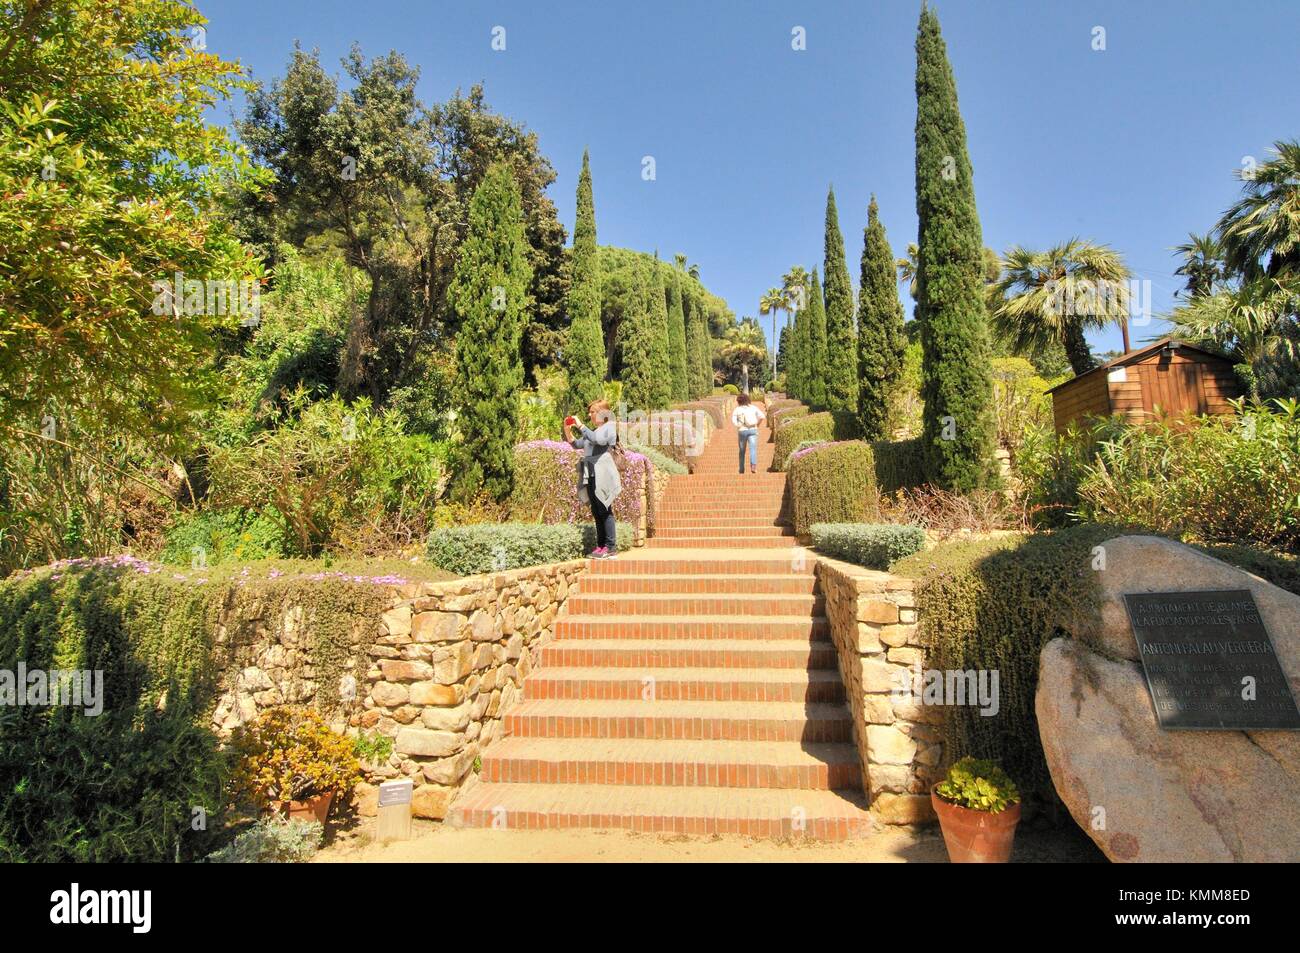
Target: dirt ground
435,843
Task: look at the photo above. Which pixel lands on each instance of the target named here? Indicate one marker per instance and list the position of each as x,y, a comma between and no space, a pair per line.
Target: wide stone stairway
691,686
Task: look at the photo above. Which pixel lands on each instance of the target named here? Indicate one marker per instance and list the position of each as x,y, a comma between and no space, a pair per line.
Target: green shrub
272,840
827,425
218,537
898,464
832,483
660,460
978,785
874,545
785,413
731,389
467,550
798,451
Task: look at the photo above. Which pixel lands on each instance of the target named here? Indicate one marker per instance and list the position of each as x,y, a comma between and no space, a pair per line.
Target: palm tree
1202,266
907,268
1261,232
1252,321
774,301
795,285
1055,295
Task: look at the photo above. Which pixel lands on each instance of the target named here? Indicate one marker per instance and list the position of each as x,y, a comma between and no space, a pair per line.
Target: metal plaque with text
1209,661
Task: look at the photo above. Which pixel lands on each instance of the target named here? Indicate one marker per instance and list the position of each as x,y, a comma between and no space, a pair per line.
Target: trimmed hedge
827,425
833,483
874,545
493,547
898,464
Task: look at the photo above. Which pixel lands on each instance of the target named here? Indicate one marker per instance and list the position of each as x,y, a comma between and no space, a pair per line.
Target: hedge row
546,485
493,547
874,545
898,464
826,425
833,483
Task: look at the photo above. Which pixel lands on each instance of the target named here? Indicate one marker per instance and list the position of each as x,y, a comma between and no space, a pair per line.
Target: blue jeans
749,436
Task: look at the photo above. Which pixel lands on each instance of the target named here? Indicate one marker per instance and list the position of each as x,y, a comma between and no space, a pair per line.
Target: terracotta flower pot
976,837
313,809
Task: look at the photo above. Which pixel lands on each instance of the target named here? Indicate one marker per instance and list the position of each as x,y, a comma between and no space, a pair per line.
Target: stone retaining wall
435,671
873,622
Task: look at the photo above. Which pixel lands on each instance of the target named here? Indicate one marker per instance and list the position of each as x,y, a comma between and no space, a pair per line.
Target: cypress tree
636,344
795,362
815,366
584,356
881,341
698,346
488,295
662,352
841,338
677,338
957,387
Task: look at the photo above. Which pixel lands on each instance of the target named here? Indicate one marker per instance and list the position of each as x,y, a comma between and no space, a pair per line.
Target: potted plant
291,762
978,808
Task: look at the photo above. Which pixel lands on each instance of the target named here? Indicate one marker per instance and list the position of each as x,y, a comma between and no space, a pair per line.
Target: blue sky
1133,146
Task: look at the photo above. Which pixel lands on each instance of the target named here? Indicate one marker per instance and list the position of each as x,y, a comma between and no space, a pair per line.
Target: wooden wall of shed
1082,397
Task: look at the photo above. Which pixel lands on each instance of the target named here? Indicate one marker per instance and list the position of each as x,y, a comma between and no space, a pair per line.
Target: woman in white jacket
598,480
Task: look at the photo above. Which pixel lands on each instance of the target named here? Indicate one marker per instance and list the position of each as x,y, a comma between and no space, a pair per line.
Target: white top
746,416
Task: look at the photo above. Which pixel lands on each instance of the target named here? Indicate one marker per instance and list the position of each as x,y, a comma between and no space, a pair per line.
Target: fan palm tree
774,301
795,285
1053,296
1261,232
1252,321
1202,265
907,268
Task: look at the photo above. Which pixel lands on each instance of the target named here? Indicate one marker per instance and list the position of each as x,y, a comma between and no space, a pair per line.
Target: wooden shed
1171,375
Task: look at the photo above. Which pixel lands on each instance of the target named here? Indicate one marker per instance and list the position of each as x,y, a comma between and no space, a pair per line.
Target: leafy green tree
815,384
841,336
1050,297
658,308
489,294
881,339
637,339
677,337
112,180
584,357
958,428
698,346
1261,231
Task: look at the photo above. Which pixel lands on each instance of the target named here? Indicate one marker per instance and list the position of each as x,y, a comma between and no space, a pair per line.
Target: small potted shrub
978,808
291,762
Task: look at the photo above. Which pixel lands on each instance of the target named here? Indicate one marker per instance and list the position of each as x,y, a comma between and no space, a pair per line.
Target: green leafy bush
827,425
874,545
217,537
659,459
272,840
290,753
832,483
798,451
978,785
546,484
898,464
467,550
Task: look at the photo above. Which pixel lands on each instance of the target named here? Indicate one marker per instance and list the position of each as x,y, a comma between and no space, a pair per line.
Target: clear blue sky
1133,146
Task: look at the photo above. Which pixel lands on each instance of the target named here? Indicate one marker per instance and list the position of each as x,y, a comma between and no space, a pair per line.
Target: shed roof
1141,353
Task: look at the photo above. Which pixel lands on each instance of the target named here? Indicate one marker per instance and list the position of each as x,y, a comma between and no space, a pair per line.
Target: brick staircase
691,686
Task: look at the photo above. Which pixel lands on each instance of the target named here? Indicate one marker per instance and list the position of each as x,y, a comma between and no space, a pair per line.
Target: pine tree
637,341
841,337
488,294
815,353
677,338
662,353
584,356
881,340
957,387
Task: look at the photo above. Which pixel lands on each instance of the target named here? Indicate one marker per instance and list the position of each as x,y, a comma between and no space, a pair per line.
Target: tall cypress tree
584,356
815,368
677,337
795,373
957,387
699,346
488,294
658,307
636,344
881,341
841,337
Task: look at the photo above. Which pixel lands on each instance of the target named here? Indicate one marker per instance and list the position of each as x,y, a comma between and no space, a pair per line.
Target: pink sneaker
600,552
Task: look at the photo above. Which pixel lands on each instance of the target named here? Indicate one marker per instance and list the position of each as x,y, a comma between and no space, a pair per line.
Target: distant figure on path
598,480
746,418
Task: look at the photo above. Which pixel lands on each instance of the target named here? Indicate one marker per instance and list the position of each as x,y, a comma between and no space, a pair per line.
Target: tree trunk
1076,348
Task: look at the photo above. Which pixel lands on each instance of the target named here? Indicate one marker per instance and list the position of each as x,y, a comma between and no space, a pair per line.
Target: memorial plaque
1209,661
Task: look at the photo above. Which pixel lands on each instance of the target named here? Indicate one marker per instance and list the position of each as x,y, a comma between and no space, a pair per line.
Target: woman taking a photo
598,480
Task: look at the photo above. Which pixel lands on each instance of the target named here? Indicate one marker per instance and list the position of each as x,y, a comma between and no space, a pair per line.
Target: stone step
664,627
687,684
725,542
802,654
693,605
678,519
752,812
747,532
735,561
721,764
668,720
718,583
